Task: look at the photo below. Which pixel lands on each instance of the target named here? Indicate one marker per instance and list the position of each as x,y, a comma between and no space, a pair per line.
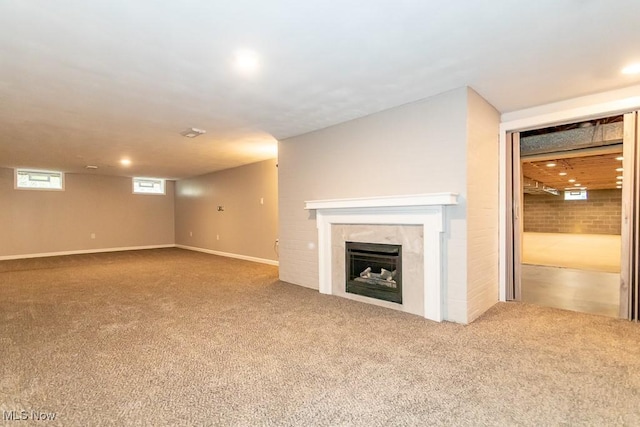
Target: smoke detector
192,132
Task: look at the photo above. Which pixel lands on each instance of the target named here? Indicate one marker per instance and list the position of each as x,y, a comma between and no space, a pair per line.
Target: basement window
26,179
575,195
148,185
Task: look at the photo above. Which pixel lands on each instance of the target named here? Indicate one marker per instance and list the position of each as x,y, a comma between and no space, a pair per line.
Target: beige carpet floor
171,337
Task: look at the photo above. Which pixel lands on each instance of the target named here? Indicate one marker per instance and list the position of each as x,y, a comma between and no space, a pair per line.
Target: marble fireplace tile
412,241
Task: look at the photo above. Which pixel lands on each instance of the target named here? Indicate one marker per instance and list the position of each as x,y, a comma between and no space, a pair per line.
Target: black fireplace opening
374,270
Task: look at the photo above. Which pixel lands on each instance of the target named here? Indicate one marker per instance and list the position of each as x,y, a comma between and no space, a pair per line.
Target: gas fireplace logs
384,278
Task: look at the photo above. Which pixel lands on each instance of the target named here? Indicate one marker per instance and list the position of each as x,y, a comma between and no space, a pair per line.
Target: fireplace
392,219
374,270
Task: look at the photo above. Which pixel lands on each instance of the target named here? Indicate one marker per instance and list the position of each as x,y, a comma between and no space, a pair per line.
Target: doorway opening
569,225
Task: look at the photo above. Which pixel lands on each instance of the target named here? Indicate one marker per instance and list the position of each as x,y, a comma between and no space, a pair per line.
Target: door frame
629,280
574,110
514,225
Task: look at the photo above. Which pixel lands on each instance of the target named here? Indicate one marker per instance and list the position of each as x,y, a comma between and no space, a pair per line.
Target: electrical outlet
262,200
217,237
93,235
191,234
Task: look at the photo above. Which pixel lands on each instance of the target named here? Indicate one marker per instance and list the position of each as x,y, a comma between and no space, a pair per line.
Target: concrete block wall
599,214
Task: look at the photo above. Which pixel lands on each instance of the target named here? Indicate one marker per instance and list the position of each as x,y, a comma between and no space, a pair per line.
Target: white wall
416,148
482,205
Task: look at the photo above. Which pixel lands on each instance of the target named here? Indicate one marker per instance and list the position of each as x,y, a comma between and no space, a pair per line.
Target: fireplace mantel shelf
427,199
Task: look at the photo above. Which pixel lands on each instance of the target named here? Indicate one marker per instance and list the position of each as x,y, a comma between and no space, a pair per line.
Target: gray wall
448,142
245,227
416,148
37,222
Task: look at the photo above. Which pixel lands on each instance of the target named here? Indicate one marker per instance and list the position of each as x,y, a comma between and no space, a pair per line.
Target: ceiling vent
192,132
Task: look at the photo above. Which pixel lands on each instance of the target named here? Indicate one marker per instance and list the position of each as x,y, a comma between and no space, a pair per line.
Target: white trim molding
426,210
84,251
229,255
138,248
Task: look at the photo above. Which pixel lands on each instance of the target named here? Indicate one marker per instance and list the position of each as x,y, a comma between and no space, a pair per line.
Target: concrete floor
579,272
597,252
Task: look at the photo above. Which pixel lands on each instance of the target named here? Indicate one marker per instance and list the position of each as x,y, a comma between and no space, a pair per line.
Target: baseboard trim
84,251
230,255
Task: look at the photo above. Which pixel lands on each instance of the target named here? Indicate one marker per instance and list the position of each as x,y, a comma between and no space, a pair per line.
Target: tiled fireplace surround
414,221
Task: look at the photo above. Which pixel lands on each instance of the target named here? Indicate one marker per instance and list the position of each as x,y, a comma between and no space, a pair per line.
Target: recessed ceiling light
572,180
619,177
620,158
562,173
551,164
577,184
125,162
91,167
619,169
246,61
618,186
632,69
618,182
193,132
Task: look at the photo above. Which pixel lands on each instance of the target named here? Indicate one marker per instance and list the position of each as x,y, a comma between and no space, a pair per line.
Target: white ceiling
89,82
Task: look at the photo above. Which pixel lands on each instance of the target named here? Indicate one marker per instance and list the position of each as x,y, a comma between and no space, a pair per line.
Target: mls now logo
28,415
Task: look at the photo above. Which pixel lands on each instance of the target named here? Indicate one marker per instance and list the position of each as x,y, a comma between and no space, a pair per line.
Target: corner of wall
246,225
483,125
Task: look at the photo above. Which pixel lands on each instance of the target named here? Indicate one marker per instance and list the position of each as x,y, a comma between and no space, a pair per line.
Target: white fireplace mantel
430,199
417,209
